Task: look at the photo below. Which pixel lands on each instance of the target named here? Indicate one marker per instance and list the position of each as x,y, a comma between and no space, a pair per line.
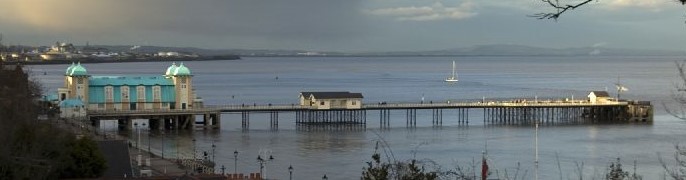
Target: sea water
565,151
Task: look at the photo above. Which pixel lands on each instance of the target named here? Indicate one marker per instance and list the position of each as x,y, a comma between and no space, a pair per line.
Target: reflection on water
334,127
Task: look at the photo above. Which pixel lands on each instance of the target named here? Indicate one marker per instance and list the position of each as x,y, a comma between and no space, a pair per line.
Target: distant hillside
155,49
521,50
481,50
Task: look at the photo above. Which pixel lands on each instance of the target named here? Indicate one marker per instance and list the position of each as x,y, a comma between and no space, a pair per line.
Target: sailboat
452,78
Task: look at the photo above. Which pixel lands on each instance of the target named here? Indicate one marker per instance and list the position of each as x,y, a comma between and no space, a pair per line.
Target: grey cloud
292,20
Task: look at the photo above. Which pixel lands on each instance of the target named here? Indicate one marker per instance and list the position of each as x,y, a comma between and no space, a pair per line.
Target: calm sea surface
342,153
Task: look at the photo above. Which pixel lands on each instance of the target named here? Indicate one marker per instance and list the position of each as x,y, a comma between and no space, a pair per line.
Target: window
343,102
156,93
109,93
354,102
80,80
183,80
321,103
101,105
140,90
125,93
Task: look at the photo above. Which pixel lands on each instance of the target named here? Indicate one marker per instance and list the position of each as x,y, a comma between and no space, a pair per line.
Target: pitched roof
332,95
129,80
600,93
71,103
51,97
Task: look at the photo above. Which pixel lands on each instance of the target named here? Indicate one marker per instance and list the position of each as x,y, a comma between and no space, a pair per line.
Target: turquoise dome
78,70
69,68
171,69
182,71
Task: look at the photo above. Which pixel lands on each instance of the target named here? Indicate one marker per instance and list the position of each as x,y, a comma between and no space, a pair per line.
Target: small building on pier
331,100
599,97
72,108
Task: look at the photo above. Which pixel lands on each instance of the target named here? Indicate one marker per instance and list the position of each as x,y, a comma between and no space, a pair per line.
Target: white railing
216,108
491,104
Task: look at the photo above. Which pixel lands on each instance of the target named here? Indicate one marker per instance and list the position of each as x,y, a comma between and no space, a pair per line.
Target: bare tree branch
560,8
679,94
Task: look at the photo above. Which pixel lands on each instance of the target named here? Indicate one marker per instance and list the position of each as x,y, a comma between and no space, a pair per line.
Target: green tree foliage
375,169
32,148
615,172
411,170
84,160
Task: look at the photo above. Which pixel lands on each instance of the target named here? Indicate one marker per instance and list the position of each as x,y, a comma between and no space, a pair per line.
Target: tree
615,172
680,94
84,160
376,169
411,170
34,149
562,6
679,171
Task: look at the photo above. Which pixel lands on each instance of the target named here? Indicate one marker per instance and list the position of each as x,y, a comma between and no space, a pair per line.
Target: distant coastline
91,60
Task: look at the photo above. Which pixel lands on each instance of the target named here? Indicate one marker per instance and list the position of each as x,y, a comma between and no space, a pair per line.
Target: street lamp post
139,137
103,130
223,168
194,157
290,172
177,145
213,147
235,161
162,134
264,161
149,143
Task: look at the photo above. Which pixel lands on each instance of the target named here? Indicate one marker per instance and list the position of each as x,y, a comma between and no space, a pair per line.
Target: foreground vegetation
380,168
35,149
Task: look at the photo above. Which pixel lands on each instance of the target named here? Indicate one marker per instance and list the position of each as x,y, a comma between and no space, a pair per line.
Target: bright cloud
638,3
651,4
437,11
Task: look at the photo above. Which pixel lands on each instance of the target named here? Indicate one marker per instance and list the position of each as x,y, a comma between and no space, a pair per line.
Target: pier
513,112
169,102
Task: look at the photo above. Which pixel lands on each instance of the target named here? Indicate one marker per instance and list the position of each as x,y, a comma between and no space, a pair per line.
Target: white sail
453,77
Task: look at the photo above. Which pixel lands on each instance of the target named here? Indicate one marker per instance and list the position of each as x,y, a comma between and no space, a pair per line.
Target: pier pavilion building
173,90
331,100
599,97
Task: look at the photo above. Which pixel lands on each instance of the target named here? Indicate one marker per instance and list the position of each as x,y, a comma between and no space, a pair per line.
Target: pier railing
150,111
367,106
490,104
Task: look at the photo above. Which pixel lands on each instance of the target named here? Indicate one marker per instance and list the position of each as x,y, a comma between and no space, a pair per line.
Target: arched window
140,90
109,93
156,93
124,93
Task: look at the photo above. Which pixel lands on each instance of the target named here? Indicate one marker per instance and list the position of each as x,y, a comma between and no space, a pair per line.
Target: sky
342,25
